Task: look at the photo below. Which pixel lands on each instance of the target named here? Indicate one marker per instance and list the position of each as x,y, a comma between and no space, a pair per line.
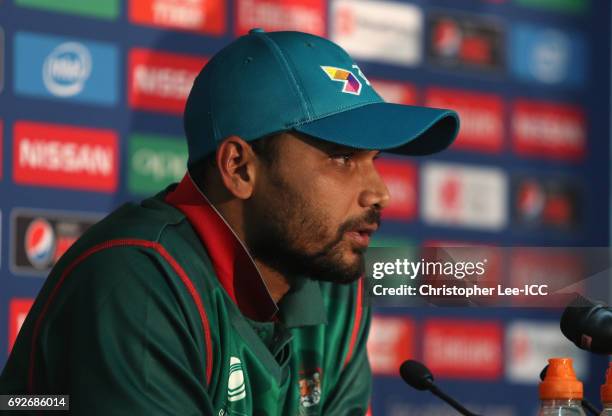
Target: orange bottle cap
560,381
606,388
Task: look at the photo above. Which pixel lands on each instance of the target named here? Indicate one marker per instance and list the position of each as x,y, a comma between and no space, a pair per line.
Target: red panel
302,15
390,343
482,125
203,16
401,180
65,156
548,130
461,348
161,81
18,310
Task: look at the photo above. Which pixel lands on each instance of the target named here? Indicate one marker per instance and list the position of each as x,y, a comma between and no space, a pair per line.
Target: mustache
371,217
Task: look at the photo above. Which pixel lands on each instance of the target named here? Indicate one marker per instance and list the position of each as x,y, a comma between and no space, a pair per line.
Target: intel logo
551,57
66,69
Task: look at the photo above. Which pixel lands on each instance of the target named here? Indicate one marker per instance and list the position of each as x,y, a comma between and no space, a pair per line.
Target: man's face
314,209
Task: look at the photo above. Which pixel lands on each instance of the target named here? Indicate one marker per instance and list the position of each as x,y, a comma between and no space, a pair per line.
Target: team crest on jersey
310,390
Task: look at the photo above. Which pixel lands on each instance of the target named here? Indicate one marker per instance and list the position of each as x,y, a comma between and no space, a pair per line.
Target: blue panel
68,69
550,56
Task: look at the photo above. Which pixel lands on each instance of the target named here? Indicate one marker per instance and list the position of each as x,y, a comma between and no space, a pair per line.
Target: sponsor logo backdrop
66,69
91,96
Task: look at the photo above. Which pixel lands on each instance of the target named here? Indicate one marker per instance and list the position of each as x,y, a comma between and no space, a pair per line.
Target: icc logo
40,243
236,389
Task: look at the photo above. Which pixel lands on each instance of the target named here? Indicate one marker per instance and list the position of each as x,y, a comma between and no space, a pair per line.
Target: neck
232,211
276,282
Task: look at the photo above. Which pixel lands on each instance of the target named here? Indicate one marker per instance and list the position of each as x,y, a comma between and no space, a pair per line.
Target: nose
375,193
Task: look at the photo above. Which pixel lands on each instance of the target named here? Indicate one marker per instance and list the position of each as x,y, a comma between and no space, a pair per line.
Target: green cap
264,83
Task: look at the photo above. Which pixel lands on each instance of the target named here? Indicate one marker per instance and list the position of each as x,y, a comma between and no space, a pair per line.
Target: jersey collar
233,265
236,270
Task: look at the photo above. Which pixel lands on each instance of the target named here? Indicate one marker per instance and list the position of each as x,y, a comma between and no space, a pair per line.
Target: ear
236,165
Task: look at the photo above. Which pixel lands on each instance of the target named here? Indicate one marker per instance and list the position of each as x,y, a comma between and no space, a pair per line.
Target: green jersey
159,309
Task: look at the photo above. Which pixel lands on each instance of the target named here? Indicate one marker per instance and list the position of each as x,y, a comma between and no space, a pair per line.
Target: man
237,291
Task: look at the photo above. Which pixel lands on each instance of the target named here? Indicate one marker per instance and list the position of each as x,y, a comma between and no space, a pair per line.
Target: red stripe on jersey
122,243
356,322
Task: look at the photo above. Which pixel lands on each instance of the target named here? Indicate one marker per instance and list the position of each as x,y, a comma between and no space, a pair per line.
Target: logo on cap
351,84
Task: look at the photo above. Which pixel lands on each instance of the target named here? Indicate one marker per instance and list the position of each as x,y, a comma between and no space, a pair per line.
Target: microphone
588,324
585,403
418,376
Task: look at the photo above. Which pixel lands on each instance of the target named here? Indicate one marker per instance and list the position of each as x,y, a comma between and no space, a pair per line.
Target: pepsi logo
447,37
66,69
531,199
40,243
467,41
549,202
40,237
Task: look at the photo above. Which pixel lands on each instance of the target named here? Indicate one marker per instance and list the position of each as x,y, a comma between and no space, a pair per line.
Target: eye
343,159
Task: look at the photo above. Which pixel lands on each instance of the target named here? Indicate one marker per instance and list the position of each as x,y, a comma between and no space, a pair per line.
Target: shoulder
146,248
145,220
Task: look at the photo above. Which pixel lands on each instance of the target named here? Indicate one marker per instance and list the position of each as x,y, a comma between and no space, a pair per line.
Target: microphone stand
452,402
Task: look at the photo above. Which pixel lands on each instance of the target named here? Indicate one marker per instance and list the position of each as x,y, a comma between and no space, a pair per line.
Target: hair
266,148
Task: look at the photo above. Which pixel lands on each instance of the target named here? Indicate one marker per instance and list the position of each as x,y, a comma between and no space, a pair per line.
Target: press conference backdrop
91,95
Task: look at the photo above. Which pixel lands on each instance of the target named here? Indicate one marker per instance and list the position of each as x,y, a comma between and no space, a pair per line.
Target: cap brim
396,128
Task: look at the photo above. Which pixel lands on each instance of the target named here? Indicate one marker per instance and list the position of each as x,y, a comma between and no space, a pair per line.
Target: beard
288,234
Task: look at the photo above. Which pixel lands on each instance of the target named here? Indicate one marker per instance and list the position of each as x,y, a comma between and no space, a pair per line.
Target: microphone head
416,375
588,325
